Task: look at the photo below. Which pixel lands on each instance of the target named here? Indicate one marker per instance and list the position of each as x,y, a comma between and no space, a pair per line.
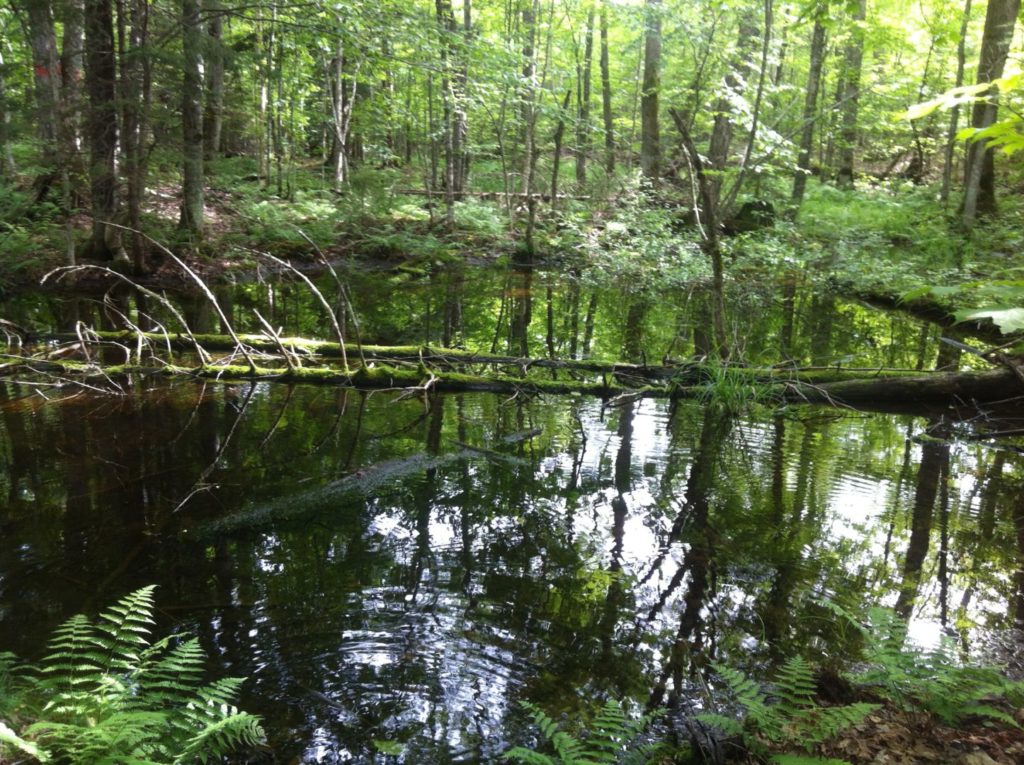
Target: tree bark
954,113
46,67
7,165
192,192
722,130
101,77
136,87
853,59
583,111
71,71
650,132
606,95
803,162
214,117
979,188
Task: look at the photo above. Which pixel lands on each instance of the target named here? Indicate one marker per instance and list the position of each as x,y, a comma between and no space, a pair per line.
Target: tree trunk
528,116
954,113
72,51
803,162
559,136
979,189
192,121
852,60
606,95
7,166
136,88
452,174
101,77
707,203
46,66
214,117
722,130
583,111
650,134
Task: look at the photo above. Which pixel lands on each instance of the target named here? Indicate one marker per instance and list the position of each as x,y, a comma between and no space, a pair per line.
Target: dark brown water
397,573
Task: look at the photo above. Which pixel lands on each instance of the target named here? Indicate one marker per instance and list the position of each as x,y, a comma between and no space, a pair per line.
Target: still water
396,573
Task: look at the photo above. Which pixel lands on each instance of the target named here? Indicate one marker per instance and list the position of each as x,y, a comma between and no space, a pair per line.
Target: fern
104,693
610,740
795,719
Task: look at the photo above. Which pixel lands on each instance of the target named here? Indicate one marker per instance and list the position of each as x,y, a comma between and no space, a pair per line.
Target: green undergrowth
108,693
784,721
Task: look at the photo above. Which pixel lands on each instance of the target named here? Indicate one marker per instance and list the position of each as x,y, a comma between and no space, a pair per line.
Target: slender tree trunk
530,11
707,203
7,166
755,116
192,192
71,70
650,133
979,189
954,113
101,77
214,117
136,87
558,139
803,162
722,129
46,66
606,95
583,111
853,59
446,22
461,111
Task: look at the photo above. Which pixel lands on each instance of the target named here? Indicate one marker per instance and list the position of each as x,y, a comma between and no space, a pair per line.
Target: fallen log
900,391
491,194
935,388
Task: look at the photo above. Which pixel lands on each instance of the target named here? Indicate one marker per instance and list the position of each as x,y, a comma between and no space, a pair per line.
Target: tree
192,186
979,184
101,85
650,132
819,11
853,58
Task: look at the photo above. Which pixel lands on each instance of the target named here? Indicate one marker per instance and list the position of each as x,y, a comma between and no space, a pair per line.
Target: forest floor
885,242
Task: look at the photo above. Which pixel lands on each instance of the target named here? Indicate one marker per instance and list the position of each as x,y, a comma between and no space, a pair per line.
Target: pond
394,573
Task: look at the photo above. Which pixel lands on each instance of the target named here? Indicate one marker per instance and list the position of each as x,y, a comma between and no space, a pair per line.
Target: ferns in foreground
105,693
611,740
795,719
936,680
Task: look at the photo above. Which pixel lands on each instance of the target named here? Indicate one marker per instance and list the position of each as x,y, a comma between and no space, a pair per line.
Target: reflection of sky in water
424,611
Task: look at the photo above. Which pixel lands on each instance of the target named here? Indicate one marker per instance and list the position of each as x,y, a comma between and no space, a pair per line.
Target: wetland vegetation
554,381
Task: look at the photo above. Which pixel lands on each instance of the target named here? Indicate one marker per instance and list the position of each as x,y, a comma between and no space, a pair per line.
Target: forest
567,382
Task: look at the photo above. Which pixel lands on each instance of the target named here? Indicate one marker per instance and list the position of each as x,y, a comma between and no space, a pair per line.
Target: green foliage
733,389
106,694
610,740
795,719
933,680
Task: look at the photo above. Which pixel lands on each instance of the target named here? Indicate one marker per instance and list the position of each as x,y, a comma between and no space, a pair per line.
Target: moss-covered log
937,388
690,373
876,388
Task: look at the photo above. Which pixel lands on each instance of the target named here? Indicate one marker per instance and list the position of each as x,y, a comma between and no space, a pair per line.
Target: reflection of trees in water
427,607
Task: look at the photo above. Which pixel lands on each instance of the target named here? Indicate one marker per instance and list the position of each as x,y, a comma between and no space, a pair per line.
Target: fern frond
728,725
124,629
795,686
801,759
11,740
233,730
528,756
993,713
71,664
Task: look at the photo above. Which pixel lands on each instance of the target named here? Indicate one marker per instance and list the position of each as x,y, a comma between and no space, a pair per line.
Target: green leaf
1007,319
